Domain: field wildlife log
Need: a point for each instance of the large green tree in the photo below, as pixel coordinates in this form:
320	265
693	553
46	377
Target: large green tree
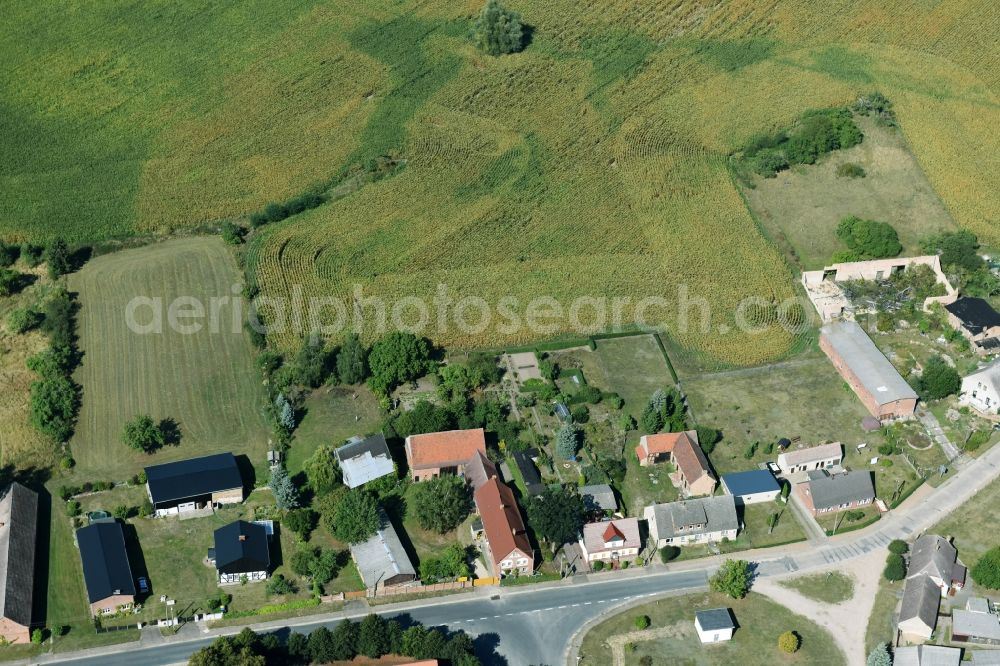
567	441
142	433
441	504
323	470
868	239
357	517
57	258
54	401
879	656
938	379
286	495
352	361
397	358
732	579
556	515
986	571
498	30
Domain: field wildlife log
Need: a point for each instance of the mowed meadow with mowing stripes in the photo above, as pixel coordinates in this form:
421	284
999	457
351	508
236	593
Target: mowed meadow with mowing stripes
596	162
204	381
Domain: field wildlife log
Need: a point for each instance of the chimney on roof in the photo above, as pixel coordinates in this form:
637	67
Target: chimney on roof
243	537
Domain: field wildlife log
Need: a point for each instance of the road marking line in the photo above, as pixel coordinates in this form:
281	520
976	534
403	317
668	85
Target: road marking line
575	605
587	603
482	618
562	606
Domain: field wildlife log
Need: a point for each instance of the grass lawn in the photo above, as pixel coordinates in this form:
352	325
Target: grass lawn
644	485
839	520
800	208
422	543
831	587
333	414
205	381
970	525
755	517
881	627
755	642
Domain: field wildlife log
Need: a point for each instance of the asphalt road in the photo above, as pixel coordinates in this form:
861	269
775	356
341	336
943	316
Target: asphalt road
528	625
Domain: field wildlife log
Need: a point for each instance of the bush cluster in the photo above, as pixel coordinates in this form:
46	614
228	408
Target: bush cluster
818	132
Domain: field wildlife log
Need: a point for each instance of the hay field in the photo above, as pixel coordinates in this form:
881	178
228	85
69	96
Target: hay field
594	163
205	381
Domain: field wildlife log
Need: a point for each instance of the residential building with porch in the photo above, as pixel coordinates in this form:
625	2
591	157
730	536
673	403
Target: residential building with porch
242	552
935	557
823	456
693	475
18	540
443	453
107	573
611	540
194	484
504	537
867	371
693	521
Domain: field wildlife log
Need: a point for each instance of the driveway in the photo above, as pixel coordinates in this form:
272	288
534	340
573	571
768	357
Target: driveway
936	433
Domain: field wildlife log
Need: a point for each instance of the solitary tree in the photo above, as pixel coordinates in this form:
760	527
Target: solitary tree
352	361
879	656
733	579
57	258
142	434
788	642
286	495
498	30
441	503
567	441
322	469
284	412
557	515
357	517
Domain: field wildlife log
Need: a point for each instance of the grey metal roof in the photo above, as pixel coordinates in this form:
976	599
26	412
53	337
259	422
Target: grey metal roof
932	555
985	657
714	619
599	497
921	599
871	367
837	489
364	460
18	532
927	655
699	515
382	557
972	623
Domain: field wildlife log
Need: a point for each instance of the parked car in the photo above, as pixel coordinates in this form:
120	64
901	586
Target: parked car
143	585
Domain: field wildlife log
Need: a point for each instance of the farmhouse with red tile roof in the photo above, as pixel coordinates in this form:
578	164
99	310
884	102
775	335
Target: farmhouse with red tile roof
443	453
694	475
506	543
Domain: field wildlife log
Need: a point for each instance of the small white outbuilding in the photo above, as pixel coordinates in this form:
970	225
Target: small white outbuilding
714	625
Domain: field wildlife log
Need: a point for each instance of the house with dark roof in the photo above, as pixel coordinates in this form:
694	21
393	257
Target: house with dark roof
830	493
936	557
107	573
919	609
714	625
751	486
364	459
879	386
976	319
529	472
18	538
195	483
442	453
611	540
699	520
693	475
242	550
382	560
599	498
504	537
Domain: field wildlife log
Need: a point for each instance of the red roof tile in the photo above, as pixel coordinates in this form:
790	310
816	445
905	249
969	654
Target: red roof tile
444	449
502	520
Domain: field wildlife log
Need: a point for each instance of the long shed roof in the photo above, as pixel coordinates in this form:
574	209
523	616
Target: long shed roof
869	365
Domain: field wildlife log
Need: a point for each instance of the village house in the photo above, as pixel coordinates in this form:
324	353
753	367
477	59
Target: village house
529	472
867	371
977	623
693	521
926	655
823	456
981	389
107	573
752	486
935	557
611	540
443	453
18	538
829	493
382	560
364	459
693	475
976	319
242	552
505	540
194	484
919	609
715	625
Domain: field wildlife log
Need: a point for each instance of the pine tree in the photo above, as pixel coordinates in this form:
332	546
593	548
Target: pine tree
879	656
286	495
567	441
286	415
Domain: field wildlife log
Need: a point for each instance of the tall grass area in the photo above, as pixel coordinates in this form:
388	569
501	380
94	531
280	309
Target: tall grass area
592	163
